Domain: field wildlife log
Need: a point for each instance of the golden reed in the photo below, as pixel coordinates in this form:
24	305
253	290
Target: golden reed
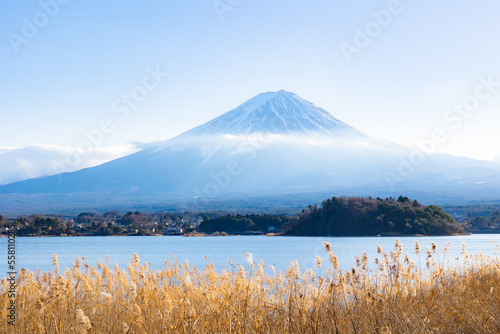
388	295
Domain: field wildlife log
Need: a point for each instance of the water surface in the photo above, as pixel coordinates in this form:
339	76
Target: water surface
33	252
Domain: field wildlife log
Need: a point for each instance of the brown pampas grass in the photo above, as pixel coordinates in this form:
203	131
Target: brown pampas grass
392	296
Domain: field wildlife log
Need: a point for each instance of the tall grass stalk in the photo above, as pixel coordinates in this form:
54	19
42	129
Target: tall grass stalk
394	296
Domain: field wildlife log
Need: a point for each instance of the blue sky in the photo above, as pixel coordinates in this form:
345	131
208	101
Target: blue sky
64	77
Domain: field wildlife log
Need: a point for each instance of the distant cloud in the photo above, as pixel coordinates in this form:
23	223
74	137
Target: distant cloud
142	146
17	164
497	158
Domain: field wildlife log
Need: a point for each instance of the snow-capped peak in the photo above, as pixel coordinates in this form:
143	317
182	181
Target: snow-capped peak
280	112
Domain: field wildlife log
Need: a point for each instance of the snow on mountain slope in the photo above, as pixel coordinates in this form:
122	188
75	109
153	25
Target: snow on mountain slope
279	112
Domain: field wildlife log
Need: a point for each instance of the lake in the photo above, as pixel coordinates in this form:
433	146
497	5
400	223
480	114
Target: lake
35	252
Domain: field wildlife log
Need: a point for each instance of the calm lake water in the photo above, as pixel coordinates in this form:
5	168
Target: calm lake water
35	253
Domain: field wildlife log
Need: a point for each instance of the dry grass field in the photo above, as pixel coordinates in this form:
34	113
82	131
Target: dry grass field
389	294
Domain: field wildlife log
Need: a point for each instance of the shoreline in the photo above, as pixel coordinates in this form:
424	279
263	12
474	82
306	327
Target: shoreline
224	234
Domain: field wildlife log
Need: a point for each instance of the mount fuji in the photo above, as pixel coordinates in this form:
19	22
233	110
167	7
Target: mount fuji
281	113
276	145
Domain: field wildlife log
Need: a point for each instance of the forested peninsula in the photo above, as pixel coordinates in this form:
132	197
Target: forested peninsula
354	216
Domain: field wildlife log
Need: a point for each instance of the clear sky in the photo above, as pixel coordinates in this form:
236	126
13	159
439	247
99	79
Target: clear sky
392	69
